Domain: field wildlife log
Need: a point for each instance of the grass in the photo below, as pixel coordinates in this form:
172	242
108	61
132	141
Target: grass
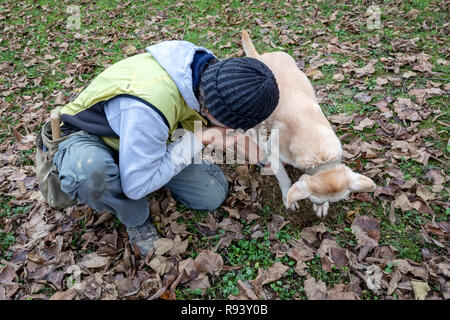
107	27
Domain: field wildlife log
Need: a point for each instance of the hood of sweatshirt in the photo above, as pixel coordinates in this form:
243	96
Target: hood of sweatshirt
176	57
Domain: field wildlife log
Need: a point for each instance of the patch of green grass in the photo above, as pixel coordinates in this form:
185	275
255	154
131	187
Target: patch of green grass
329	278
252	252
47	290
7	239
402	234
8	210
77	239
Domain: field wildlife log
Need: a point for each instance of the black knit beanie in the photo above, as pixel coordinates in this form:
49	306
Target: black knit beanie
239	92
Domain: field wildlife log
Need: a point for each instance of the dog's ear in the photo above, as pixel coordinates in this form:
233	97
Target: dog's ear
298	191
360	183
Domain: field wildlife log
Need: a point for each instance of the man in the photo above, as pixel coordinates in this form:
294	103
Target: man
134	106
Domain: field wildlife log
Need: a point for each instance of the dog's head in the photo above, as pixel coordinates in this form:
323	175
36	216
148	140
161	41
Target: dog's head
328	186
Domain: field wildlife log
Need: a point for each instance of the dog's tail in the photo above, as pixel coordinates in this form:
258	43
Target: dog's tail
249	48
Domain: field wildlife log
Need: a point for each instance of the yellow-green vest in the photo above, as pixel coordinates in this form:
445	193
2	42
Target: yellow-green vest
140	76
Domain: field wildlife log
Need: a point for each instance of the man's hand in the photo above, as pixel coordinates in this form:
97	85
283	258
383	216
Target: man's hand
216	136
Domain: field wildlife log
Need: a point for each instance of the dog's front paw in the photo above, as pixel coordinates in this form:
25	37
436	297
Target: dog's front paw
321	209
293	206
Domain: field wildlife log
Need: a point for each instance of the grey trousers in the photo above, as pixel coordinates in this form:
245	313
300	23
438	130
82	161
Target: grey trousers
88	173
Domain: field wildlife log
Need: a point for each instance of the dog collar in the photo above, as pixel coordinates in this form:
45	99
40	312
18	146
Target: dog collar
322	167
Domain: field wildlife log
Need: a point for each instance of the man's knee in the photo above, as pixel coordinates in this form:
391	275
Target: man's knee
86	170
100	171
217	192
200	186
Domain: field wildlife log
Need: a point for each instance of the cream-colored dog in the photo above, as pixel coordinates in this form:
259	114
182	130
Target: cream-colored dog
306	139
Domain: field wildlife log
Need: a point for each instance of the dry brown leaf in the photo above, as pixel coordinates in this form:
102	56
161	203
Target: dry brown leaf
315	290
341	118
210	262
273	273
339	77
202	283
160	265
313	234
363	97
421	289
179	246
402	202
395	278
373	276
37	227
424	193
340	292
367	69
366	123
405	111
303	253
232	225
405	266
248	291
276	225
69	294
234	213
367	232
163	245
314	73
301	268
92	260
7	274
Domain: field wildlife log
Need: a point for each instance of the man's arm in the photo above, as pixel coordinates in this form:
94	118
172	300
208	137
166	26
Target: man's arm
146	162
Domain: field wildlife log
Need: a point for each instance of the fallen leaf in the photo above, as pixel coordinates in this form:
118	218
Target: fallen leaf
314	73
404	109
340	292
406	266
210	262
402	202
69	294
201	283
163	245
160	265
301	268
367	69
301	254
273	273
373	278
315	290
339	77
420	289
363	97
395	278
276	225
234	213
367	232
92	260
179	246
366	123
424	193
37	227
341	118
248	291
312	234
382	81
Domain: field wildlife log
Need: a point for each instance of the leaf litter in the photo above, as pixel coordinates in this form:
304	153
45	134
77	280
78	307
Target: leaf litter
81	254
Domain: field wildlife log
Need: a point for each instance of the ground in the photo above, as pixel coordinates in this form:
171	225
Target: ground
383	84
